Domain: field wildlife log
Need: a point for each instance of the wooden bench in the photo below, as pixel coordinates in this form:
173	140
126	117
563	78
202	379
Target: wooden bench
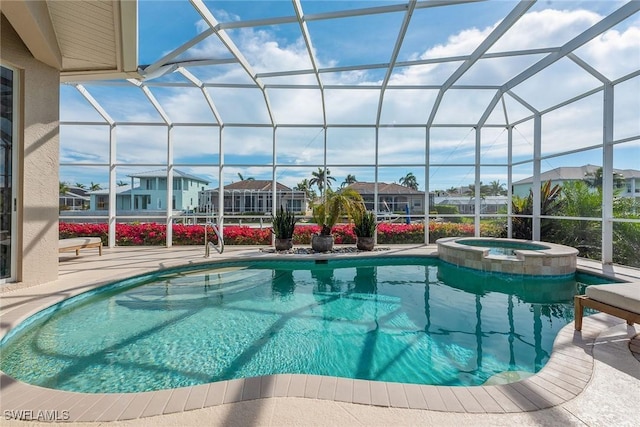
77	243
619	299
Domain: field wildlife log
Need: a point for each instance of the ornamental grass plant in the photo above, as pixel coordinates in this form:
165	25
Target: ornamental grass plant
364	224
284	224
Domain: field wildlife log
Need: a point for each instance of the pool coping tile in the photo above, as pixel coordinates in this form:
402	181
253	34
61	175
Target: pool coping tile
433	398
397	397
505	402
379	394
100	407
157	403
467	400
177	401
361	392
251	390
233	392
327	390
344	390
414	396
136	406
215	394
281	387
267	386
117	408
297	385
486	401
312	387
450	400
197	397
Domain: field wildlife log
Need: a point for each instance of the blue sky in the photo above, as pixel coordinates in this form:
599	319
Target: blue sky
433	33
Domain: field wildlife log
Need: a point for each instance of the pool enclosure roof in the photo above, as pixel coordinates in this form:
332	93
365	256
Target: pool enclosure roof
392	68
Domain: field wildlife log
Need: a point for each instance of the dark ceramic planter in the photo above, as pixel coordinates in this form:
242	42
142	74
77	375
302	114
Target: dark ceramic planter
321	243
283	244
365	243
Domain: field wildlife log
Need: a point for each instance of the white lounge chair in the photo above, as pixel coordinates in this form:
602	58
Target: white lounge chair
619	299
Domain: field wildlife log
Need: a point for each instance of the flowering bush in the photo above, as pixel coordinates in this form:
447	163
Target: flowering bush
153	234
68	230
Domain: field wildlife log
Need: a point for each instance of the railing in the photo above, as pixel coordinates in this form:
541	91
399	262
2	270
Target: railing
208	245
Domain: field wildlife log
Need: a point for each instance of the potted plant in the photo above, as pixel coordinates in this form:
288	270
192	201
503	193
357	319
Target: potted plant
284	224
364	227
326	213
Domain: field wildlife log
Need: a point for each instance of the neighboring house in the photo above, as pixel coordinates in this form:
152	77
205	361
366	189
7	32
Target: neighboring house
467	204
630	188
148	192
74	199
253	195
391	197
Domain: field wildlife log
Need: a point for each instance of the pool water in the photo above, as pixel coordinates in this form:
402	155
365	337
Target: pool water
503	248
410	320
502	251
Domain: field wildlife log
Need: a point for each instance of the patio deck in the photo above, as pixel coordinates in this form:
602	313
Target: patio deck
592	378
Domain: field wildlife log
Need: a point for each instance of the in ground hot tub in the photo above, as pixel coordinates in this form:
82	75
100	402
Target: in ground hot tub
509	256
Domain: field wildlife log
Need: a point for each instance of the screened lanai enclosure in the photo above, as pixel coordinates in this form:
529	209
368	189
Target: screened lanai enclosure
469	106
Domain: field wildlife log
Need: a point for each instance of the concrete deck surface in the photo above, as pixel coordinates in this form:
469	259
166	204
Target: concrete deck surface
592	378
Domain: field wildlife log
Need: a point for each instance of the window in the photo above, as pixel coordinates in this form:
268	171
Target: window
102	203
294	205
8	173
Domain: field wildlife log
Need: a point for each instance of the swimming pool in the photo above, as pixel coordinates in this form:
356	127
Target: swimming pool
391	319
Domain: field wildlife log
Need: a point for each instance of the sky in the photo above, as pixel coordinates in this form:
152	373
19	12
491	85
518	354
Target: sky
433	33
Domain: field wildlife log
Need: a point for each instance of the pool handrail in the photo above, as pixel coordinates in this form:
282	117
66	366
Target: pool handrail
208	245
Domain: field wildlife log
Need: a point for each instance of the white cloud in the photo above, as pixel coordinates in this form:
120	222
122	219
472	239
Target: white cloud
615	53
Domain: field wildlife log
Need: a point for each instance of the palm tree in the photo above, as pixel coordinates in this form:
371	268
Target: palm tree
409	180
305	186
64	187
242	178
122	183
496	188
319	178
80	185
594	179
485	190
95	187
350	179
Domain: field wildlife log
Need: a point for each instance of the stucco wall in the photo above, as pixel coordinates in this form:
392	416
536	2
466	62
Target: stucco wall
38	161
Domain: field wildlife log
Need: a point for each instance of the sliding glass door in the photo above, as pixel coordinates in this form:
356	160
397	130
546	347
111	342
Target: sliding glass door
8	193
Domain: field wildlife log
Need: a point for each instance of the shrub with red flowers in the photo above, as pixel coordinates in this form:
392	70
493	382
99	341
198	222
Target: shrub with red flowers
302	234
67	230
154	234
243	235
